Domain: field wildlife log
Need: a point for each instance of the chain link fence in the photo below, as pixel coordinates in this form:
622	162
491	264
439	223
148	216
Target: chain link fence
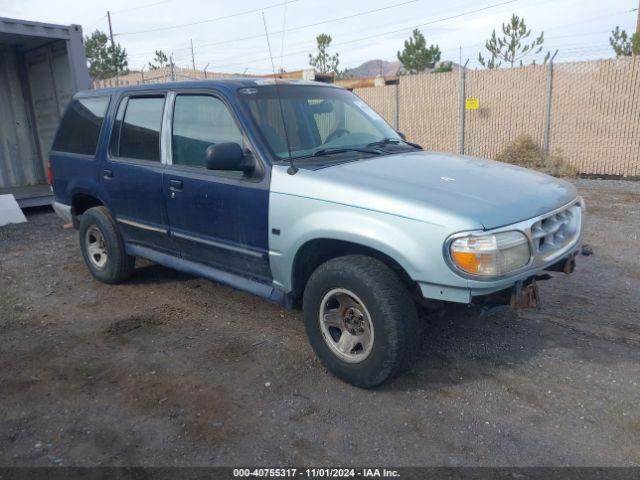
586	111
160	75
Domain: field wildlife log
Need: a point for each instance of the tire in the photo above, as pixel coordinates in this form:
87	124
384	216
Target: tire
103	247
387	308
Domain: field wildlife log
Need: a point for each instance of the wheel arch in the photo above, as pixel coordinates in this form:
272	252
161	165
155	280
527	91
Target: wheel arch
315	252
81	201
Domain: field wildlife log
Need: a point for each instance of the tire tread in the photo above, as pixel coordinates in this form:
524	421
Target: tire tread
394	302
123	264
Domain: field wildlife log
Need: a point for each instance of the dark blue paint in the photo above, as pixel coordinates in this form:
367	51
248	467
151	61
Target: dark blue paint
134	192
229	216
215	209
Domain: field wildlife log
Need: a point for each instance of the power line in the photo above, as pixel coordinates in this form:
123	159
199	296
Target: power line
554	37
370	36
470	12
93	24
141	6
589	20
300	27
215	19
367	37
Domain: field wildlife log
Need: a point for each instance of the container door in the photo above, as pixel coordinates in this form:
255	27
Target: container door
51	89
20	163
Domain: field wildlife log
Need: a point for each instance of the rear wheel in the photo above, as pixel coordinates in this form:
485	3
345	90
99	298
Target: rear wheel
361	320
103	247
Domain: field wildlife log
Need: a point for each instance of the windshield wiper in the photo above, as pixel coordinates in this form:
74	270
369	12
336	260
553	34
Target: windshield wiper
330	151
393	141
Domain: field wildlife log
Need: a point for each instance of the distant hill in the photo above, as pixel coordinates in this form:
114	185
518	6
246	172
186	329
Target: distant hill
371	68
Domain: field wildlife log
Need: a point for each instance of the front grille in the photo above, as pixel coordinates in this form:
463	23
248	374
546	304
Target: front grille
552	234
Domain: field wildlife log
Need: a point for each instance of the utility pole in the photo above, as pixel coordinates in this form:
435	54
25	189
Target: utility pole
113	45
638	19
193	58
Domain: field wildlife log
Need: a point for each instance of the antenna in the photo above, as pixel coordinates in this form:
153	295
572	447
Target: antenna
292	170
284	31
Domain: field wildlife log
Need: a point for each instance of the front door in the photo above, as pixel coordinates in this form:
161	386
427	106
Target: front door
132	174
218	218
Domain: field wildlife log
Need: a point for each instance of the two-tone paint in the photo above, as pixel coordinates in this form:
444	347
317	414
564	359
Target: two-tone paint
247	232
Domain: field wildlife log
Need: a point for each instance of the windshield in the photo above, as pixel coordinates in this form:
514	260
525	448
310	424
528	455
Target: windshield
319	120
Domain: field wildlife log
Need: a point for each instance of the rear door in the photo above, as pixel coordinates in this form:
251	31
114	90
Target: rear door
132	174
218	218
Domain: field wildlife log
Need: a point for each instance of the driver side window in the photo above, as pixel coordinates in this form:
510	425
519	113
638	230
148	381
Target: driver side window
199	121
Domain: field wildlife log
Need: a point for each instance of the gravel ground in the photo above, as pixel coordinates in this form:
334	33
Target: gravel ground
169	369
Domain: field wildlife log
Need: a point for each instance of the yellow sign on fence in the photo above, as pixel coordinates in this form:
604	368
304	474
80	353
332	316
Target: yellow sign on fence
471	103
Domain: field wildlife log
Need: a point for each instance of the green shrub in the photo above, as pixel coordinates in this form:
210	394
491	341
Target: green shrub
525	152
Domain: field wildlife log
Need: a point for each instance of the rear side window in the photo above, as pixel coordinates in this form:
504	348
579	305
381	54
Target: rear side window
136	132
80	126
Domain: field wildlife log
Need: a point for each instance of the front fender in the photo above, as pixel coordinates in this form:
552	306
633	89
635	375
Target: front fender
416	246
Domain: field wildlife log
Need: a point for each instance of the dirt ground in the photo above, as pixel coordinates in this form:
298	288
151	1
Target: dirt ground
169	369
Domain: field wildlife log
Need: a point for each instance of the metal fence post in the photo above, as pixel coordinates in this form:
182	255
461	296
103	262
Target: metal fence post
461	112
547	115
396	125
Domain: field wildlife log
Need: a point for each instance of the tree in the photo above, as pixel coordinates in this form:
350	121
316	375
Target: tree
416	57
159	61
104	60
443	67
623	45
323	62
513	46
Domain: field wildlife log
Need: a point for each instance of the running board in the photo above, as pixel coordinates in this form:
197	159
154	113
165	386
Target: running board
238	282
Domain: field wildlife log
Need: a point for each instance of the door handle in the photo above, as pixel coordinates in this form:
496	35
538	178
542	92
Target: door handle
107	174
175	185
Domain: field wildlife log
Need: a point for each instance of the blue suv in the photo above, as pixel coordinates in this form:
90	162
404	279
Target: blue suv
300	193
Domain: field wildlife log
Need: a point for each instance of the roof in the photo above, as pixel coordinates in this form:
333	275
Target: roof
221	84
30	34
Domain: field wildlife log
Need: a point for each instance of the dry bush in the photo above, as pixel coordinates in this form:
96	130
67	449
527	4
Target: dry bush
525	152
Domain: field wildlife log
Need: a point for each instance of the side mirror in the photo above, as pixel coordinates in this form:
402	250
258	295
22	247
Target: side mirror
228	156
401	135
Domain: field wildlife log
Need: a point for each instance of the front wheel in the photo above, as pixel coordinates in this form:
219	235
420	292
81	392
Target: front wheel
361	320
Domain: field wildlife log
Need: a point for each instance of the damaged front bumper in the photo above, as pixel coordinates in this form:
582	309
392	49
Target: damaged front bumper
554	237
525	293
520	291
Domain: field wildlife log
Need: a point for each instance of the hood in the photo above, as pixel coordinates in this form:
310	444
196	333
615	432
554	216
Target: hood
437	188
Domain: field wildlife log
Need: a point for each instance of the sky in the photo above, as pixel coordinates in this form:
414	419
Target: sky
230	36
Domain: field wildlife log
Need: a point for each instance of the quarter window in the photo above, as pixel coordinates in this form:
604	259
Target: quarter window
80	126
198	122
136	132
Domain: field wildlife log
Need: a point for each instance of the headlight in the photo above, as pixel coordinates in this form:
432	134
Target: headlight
490	255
